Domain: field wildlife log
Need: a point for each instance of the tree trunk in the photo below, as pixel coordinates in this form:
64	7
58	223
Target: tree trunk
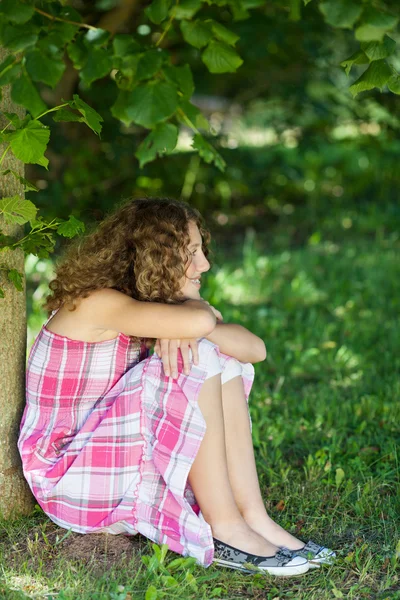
15	496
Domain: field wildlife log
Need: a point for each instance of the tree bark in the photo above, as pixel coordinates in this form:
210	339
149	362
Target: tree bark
15	496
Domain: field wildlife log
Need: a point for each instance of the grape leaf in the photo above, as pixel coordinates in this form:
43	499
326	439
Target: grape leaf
358	58
394	84
62	114
124	44
9	70
158	11
182	78
16	12
377	74
194	114
162	140
42	67
149	64
196	33
186	9
16	210
341	13
25	93
97	65
379	50
222	33
221	58
71	227
90	116
30	142
78	52
207	152
16	278
28	186
374	25
151	103
18	37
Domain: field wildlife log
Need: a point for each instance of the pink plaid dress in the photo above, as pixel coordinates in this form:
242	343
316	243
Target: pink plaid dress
107	441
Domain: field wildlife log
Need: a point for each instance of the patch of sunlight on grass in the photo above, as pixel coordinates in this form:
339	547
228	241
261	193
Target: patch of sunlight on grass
28	585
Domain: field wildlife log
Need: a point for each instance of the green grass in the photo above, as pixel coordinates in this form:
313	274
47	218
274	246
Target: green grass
325	412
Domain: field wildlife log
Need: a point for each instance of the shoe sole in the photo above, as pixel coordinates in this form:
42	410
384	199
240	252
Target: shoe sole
291	571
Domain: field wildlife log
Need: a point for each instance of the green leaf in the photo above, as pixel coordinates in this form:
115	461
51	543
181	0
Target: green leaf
16	12
16	278
374	25
339	476
42	67
124	44
379	50
71	227
358	58
39	243
186	9
119	108
2	295
25	93
18	37
28	186
158	11
17	211
341	13
182	78
29	143
96	37
196	33
149	64
376	75
162	140
97	65
221	58
295	10
65	115
9	70
14	119
394	84
151	103
151	593
223	33
78	53
194	114
90	116
207	152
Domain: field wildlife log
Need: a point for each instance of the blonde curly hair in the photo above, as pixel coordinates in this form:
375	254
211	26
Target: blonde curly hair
136	249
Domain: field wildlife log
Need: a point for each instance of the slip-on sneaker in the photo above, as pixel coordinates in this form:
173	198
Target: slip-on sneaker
283	564
315	554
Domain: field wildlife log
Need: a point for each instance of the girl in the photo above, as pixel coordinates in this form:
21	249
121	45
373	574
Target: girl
115	440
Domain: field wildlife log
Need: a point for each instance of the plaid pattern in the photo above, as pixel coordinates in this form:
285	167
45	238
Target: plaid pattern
107	441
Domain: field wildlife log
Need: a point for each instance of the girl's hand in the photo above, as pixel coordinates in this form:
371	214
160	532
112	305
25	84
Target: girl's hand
216	312
167	350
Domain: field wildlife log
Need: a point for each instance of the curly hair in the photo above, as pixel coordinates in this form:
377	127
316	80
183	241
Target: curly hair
136	249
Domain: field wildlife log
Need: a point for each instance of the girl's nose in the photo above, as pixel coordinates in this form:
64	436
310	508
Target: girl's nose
205	265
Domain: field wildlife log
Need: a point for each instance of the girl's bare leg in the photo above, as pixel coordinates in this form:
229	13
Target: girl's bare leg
209	479
242	467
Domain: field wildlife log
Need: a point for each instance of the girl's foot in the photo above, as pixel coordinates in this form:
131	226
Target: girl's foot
240	535
282	564
272	532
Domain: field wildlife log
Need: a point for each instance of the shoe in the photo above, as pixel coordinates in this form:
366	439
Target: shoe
285	563
315	554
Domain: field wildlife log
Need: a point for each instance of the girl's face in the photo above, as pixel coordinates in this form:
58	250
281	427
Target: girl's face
198	264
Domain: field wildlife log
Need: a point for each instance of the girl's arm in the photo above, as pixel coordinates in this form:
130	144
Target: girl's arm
238	342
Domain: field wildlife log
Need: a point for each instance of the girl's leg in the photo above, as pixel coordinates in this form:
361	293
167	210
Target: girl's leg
209	479
242	467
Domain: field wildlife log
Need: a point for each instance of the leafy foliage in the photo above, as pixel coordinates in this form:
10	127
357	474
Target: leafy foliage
147	86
